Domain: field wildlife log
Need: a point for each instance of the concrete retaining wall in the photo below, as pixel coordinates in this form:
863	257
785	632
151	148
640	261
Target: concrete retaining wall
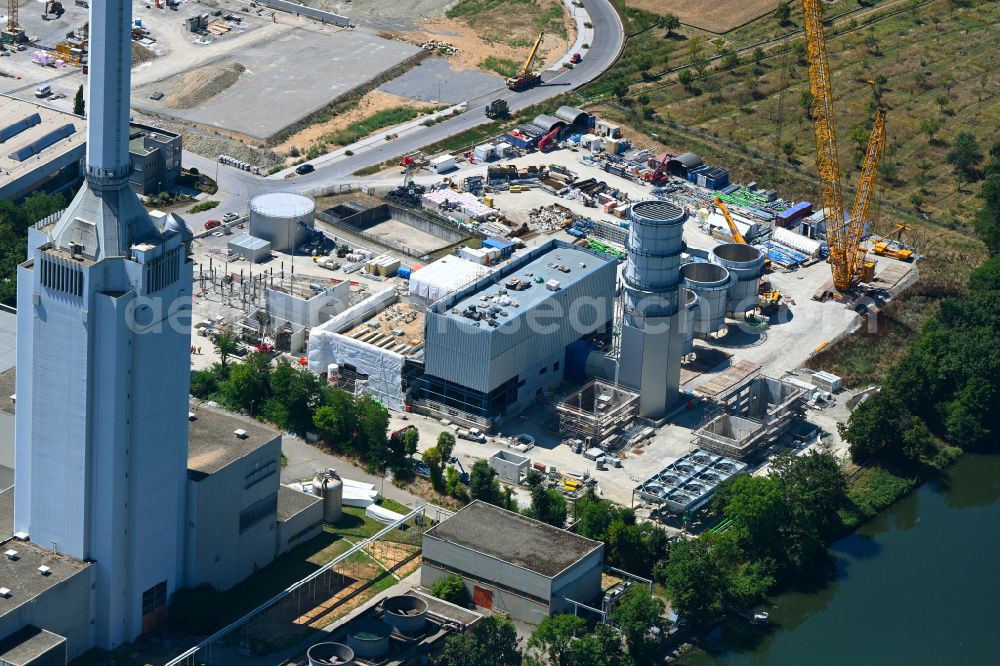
318	14
361	222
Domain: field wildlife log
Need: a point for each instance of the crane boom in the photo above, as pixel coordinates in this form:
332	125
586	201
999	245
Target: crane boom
827	161
531	56
733	229
866	189
527	77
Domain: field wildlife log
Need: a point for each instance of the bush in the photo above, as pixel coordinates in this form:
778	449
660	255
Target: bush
203	206
204	383
452	589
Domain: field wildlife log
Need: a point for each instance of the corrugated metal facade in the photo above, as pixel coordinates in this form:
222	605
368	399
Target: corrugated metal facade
483	358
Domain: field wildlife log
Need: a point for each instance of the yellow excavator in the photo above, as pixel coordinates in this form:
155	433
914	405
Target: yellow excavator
887	247
527	77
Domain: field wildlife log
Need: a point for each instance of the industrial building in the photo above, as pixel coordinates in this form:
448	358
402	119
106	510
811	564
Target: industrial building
41	149
156	158
284	219
755	413
512	563
493	347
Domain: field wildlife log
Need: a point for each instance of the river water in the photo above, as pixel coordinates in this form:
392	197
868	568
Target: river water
918	585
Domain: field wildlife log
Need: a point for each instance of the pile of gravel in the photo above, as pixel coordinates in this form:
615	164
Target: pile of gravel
212	145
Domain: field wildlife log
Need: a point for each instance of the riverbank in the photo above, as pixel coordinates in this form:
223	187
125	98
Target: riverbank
914	585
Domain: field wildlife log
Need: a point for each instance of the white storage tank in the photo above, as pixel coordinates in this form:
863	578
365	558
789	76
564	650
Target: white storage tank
712	283
284	219
405	613
746	263
330	487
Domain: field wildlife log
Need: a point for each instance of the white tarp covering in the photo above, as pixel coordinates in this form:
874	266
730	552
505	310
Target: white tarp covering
381	514
796	241
383	367
359	494
437	280
717	222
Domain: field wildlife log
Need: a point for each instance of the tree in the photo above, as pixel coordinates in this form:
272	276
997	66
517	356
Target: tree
987	220
874	429
987	276
694	580
670	22
409	440
620	89
783	13
635	615
446	445
203	384
453	484
493	642
335	419
788	148
759	511
435	468
930	126
294	394
730	59
373	427
248	385
226	345
79	106
815	488
452	589
552	641
686	78
917	201
965	156
806	104
601	647
548	505
483	483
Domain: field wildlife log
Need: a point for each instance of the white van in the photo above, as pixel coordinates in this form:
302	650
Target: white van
43	91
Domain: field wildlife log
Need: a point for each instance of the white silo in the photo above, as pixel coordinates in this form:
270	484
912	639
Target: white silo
652	338
284	219
330	487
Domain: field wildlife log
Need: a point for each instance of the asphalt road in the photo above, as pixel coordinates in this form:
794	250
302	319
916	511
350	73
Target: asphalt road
236	187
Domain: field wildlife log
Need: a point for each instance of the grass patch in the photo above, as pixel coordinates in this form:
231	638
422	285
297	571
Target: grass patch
354	523
203	206
368	170
362	128
876	488
393	505
502	66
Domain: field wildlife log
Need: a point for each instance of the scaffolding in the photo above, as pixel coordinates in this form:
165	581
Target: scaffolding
597	413
750	416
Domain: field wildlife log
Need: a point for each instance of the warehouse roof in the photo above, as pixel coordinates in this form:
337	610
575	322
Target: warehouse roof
213	444
572	115
23	124
513	538
22	647
292	502
555	261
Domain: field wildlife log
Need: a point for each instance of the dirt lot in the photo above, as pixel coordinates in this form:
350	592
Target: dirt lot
372	102
497	31
718	17
200	85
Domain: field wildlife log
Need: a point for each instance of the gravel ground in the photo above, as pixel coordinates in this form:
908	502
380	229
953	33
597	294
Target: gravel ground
212	145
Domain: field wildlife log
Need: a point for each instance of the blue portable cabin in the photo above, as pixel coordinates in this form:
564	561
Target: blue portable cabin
794	213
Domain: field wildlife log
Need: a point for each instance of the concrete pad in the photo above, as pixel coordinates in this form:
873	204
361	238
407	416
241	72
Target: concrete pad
286	80
436	81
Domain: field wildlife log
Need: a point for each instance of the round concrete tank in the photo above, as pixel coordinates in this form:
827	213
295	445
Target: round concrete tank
406	613
284	219
689	301
369	639
712	283
329	486
746	264
655	242
330	654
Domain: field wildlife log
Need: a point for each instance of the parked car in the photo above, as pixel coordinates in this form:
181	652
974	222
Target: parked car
472	434
211	224
303	169
575	58
229	217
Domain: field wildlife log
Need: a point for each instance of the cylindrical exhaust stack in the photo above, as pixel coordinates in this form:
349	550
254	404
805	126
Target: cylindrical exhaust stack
712	283
653	333
746	263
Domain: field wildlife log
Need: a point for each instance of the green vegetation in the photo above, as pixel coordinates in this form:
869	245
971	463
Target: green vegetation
368	170
14	223
639	549
502	66
79	105
452	589
359	129
203	206
515	23
493	642
778	528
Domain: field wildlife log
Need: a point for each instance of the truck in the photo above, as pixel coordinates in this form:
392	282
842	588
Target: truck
472	434
527	77
498	108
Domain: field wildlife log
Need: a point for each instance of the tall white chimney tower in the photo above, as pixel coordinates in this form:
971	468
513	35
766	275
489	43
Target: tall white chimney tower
103	342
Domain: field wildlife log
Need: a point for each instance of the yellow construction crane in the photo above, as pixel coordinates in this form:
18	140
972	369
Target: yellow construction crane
527	77
893	248
733	229
12	28
843	237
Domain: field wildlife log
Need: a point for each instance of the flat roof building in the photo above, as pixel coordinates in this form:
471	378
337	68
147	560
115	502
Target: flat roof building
513	563
498	343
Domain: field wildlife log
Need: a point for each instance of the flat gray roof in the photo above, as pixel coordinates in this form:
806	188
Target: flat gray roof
513	538
13	110
212	443
577	262
23	647
291	502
